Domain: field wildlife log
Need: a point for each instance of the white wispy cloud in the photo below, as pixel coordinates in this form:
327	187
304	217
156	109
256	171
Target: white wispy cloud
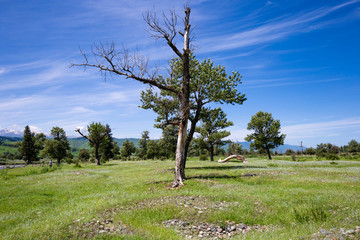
321	129
284	82
276	29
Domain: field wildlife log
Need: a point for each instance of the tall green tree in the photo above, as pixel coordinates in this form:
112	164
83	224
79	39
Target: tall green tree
58	147
266	133
210	84
97	136
235	148
353	147
31	145
127	149
211	133
106	149
167	142
153	149
142	145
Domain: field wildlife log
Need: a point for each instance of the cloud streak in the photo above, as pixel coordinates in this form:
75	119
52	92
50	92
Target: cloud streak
320	129
276	29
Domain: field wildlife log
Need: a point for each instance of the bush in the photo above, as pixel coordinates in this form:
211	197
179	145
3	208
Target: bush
84	155
203	157
69	160
289	152
332	157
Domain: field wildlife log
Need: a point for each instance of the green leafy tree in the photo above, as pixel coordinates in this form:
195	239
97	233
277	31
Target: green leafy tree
289	152
58	147
266	134
310	151
84	155
353	147
116	149
210	83
327	149
109	60
152	150
141	150
167	142
106	148
211	133
97	137
235	149
127	149
31	145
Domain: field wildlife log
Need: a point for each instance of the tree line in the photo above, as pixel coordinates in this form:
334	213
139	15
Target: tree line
205	146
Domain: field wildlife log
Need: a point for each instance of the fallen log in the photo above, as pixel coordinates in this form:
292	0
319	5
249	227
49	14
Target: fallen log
238	157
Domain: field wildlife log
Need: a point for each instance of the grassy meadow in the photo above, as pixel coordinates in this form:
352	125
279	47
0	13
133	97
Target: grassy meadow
131	200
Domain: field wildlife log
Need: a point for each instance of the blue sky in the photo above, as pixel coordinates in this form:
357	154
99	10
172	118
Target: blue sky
299	61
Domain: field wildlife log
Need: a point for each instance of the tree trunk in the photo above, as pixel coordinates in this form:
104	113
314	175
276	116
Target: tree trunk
191	132
212	153
268	153
180	155
59	161
97	159
185	107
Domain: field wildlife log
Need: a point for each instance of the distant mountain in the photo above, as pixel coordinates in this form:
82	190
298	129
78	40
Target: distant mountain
10	133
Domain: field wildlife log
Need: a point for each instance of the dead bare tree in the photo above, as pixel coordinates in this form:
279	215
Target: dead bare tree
108	60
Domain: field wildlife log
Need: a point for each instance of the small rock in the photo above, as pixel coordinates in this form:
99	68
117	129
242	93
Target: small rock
102	231
232	228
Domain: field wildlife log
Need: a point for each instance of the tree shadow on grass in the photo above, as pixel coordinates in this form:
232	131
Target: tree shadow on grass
224	167
108	164
218	176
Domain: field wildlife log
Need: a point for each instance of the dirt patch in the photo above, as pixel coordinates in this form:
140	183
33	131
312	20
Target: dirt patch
336	233
97	227
211	231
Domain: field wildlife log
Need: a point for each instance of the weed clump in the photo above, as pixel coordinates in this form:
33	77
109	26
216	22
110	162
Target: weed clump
313	213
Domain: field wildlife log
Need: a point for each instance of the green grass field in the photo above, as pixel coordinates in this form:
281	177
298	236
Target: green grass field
131	200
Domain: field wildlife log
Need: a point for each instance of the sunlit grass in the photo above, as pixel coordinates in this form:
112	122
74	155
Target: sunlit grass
294	199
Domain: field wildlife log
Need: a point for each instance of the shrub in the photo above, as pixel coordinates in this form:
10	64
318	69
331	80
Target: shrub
314	213
84	155
289	152
332	157
69	160
203	157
